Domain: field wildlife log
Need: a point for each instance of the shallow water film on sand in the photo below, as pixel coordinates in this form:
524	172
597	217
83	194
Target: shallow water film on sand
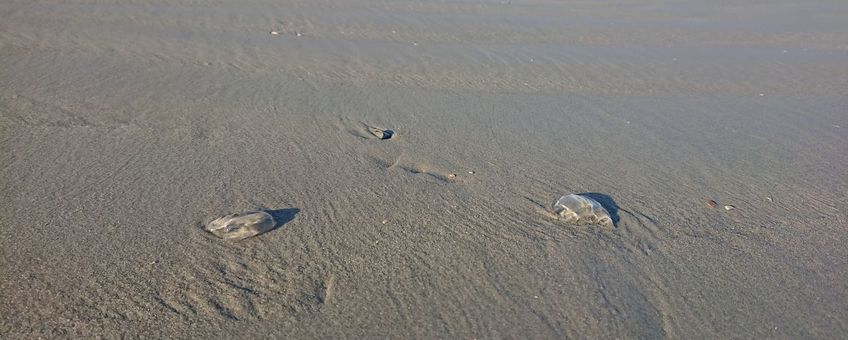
408	154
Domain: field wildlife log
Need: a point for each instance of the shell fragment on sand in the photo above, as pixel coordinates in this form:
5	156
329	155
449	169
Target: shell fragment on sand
580	210
241	226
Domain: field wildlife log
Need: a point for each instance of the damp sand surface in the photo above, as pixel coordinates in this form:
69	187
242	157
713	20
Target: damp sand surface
126	125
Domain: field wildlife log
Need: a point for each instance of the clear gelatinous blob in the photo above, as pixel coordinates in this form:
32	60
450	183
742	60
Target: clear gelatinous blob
381	133
241	226
580	210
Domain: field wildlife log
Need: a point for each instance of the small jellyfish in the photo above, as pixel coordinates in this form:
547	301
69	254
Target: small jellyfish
711	203
241	226
381	133
580	210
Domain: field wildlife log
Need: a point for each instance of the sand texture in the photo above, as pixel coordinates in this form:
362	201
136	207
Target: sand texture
409	153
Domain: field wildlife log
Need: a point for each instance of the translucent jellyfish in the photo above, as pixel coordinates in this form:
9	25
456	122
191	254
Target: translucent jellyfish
241	226
580	210
381	133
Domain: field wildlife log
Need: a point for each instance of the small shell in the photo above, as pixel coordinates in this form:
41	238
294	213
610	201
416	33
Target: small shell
729	207
274	33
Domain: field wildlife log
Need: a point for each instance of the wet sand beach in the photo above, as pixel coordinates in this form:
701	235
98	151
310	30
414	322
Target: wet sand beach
126	126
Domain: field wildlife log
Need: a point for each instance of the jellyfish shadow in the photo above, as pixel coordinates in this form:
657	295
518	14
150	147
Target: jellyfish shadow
282	216
608	203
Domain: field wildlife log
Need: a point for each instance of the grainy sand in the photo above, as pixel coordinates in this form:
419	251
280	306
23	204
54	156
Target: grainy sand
126	125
